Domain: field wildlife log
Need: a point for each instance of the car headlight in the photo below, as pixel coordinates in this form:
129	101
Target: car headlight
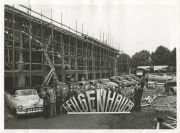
20	107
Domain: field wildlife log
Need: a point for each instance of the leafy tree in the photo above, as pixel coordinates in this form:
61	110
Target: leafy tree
123	62
142	58
161	56
172	58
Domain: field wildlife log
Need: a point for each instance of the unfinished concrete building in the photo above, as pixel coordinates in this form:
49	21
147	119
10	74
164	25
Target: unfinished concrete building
70	51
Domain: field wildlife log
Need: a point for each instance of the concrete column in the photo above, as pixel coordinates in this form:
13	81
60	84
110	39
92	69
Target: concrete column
62	53
101	72
86	67
115	66
21	77
76	68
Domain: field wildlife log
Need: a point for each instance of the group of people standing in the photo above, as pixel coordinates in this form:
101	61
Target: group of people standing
52	101
53	98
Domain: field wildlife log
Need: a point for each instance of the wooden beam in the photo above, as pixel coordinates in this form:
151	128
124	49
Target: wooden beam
171	118
168	125
77	113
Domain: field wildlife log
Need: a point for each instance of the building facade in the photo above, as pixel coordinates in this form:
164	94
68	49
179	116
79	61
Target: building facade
25	63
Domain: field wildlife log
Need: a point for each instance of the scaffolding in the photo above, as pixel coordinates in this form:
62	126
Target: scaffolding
86	56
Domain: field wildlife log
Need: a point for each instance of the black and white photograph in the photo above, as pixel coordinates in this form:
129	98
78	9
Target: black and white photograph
109	65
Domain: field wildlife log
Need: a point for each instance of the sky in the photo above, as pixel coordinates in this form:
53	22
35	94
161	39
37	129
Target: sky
132	27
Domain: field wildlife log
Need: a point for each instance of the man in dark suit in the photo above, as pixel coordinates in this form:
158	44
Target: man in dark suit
138	91
46	103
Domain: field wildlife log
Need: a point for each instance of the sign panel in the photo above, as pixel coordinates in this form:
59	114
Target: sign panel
139	72
98	100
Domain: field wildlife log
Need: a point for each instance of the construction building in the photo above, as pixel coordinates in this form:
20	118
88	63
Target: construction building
70	51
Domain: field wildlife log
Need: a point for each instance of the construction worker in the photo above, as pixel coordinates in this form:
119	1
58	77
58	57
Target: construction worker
137	97
146	80
59	96
52	102
142	82
131	93
71	92
68	80
81	88
91	86
46	103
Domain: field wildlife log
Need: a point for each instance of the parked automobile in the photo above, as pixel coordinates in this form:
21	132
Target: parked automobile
159	77
170	87
76	87
102	81
114	79
85	84
26	101
111	86
124	81
94	82
130	79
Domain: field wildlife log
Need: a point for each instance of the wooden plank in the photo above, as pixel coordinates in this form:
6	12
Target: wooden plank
145	105
173	124
171	118
169	126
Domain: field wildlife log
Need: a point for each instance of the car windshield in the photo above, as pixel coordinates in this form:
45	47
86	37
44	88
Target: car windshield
171	84
25	92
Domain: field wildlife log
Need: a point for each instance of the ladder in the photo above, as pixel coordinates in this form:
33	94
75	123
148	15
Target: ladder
52	71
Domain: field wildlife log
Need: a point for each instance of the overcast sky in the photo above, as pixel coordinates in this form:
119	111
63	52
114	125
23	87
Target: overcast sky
133	27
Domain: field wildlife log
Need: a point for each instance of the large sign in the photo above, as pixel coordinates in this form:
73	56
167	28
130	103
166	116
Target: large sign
98	100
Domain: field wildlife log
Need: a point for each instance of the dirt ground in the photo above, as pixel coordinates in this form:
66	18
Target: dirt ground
134	120
146	119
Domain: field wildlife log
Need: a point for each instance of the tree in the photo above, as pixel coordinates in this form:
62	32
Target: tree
123	62
172	58
161	56
142	58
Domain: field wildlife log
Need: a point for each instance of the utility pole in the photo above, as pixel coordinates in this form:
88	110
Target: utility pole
100	34
76	26
82	28
61	19
103	36
108	35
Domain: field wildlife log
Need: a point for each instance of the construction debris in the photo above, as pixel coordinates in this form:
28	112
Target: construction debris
170	122
167	103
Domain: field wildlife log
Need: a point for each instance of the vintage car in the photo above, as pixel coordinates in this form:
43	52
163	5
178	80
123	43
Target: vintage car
123	81
85	84
26	101
159	77
170	87
130	79
116	80
102	81
94	82
111	86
